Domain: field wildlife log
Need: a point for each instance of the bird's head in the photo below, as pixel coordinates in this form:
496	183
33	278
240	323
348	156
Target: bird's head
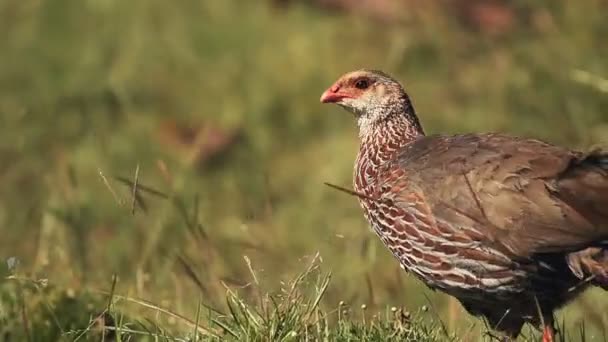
370	95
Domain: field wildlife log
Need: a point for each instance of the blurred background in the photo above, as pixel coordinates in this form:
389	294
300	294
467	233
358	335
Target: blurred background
215	105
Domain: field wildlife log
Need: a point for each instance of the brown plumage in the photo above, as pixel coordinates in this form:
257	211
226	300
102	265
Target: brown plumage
512	227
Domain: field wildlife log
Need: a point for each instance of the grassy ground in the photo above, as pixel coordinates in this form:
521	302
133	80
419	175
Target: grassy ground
92	92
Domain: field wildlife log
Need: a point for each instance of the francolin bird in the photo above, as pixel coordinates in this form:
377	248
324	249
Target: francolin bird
512	227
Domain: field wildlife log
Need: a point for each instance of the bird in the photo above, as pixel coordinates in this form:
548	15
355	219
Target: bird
513	227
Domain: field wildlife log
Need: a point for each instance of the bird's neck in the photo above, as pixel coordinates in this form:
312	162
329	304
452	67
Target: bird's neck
381	141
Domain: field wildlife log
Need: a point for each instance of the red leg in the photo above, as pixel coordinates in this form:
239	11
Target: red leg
548	333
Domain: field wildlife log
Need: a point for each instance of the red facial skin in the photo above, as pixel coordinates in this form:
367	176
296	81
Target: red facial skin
342	89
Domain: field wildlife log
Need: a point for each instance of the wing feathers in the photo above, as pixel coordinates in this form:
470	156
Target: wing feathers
528	195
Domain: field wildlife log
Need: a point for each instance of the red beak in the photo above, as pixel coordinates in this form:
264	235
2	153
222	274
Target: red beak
333	95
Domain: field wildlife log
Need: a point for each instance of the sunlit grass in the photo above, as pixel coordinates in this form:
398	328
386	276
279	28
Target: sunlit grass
92	88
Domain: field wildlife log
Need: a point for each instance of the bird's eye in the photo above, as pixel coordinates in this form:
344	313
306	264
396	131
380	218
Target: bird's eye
362	84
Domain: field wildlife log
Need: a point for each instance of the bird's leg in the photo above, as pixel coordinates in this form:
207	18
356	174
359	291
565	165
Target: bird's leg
545	315
548	330
548	333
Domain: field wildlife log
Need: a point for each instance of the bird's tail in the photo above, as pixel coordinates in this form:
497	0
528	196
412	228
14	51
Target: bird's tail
591	264
584	187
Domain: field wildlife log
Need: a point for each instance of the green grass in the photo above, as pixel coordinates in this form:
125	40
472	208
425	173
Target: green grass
39	311
35	310
89	90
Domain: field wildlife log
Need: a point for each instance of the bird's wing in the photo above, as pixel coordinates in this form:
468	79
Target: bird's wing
522	195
